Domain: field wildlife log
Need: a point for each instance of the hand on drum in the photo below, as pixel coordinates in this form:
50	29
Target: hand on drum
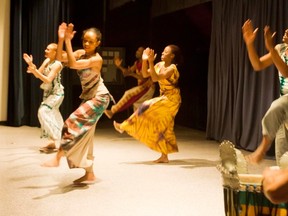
275	184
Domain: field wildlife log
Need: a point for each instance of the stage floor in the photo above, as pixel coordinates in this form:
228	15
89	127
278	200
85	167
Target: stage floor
128	183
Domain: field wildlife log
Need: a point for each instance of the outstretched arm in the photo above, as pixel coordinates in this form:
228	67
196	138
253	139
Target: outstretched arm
32	68
29	60
56	68
136	76
130	71
118	64
249	35
38	73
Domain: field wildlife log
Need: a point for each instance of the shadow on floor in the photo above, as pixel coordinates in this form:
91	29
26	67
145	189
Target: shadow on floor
60	189
185	163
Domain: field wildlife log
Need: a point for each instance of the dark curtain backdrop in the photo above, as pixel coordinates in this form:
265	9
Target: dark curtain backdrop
34	25
238	97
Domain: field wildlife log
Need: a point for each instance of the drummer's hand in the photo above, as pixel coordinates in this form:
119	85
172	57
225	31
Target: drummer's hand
270	171
270	175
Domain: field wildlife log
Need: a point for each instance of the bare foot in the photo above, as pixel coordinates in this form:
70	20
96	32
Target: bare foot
49	148
257	156
117	127
88	178
54	162
162	159
254	158
109	113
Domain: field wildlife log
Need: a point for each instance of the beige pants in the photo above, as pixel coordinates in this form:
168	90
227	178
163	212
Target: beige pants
81	155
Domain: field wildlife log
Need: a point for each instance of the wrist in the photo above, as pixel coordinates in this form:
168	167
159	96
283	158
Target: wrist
151	62
249	45
272	50
35	73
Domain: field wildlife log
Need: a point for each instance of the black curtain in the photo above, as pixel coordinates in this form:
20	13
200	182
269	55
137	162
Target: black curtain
34	25
238	97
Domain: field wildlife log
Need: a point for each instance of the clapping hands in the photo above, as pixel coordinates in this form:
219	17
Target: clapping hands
66	31
269	38
148	54
249	33
29	60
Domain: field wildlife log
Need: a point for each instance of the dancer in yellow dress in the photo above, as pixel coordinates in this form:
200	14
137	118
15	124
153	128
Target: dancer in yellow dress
153	122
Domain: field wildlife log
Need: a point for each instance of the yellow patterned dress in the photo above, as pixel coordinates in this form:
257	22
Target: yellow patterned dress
153	122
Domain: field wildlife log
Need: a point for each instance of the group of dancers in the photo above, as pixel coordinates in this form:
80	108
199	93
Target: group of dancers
151	123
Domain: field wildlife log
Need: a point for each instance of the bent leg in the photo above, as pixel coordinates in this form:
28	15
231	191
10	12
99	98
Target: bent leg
281	142
274	118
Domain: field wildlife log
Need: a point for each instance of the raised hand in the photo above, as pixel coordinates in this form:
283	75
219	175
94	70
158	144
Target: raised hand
61	30
249	33
145	54
269	38
151	56
69	33
148	54
155	55
28	59
117	61
31	68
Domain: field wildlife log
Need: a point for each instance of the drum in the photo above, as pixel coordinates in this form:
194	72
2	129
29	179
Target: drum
249	200
243	194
